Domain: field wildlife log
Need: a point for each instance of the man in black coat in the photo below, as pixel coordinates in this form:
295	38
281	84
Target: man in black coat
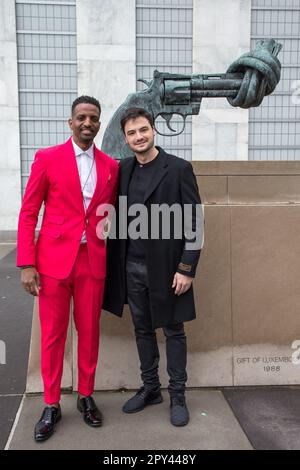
153	251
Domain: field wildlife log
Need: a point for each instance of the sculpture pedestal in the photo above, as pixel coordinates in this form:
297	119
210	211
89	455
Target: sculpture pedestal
247	289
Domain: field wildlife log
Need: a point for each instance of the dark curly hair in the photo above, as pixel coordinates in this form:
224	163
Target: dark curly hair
134	113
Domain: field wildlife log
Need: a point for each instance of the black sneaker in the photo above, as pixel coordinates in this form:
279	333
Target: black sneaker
46	425
141	399
179	413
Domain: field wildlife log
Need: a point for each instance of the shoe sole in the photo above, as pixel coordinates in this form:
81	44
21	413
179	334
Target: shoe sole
180	425
42	439
183	423
157	401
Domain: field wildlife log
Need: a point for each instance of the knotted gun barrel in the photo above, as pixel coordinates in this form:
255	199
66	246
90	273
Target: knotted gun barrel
247	81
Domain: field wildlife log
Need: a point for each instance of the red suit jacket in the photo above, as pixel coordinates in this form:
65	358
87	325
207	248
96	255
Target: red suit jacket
54	180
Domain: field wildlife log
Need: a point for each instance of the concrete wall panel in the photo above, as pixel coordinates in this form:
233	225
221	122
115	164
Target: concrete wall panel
105	44
10	187
221	34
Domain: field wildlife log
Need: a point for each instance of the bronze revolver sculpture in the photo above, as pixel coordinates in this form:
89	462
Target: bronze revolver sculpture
247	81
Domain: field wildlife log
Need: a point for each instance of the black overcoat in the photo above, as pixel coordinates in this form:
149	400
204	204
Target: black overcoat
173	182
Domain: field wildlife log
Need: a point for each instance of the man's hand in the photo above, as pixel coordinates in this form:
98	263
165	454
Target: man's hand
30	280
182	283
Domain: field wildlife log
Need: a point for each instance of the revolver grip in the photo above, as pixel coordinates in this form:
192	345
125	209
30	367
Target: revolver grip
114	143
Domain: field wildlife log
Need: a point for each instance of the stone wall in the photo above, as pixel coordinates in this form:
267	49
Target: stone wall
221	35
106	53
10	175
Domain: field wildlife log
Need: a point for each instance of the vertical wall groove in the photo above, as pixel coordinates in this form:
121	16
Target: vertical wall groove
47	73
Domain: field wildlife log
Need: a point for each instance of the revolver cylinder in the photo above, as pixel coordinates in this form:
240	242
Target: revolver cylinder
184	92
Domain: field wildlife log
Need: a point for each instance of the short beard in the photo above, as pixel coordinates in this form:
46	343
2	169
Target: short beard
86	138
146	150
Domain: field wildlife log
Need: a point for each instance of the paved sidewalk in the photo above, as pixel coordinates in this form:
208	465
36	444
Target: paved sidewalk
231	418
212	425
266	418
15	328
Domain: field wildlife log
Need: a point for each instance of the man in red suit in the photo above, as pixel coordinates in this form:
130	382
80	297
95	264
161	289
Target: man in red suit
68	258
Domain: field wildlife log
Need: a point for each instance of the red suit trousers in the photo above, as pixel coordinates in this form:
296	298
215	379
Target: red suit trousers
54	309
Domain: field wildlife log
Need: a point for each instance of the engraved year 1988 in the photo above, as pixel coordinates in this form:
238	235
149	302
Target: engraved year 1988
271	368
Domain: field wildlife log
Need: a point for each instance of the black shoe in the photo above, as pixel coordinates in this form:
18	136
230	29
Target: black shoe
91	414
46	425
179	412
141	399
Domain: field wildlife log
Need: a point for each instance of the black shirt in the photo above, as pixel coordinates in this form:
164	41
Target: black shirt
140	179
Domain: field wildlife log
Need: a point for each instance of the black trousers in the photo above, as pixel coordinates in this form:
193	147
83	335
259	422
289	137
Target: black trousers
176	349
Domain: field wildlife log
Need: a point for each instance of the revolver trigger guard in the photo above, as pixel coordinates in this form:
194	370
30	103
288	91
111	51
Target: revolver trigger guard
167	118
168	135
